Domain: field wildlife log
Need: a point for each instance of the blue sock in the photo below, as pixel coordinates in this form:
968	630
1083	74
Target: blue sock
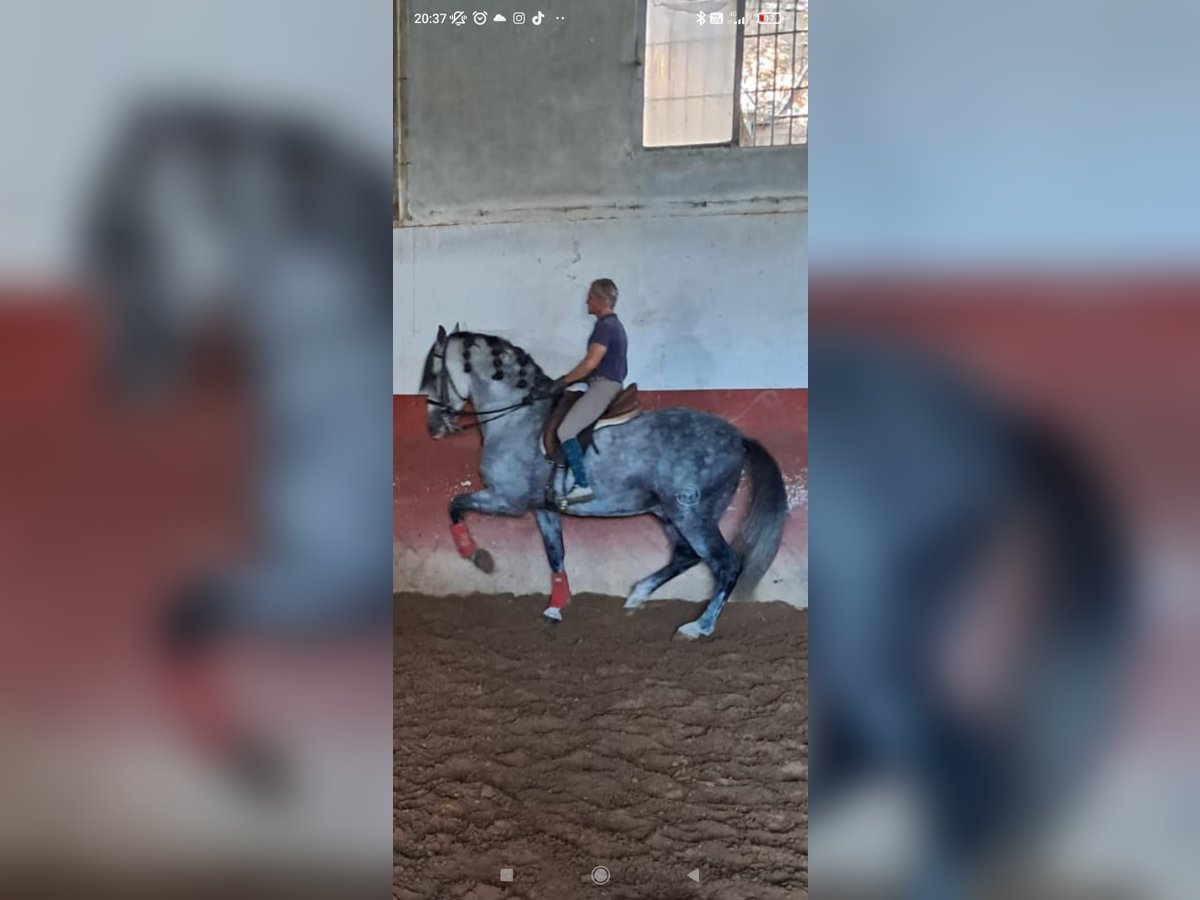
574	454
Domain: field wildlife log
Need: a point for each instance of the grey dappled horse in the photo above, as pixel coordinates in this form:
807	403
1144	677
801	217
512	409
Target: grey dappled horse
277	228
680	465
923	477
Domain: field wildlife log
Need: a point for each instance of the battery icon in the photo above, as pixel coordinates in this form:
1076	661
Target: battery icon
771	18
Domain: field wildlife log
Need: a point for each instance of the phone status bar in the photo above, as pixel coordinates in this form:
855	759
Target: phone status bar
473	17
717	18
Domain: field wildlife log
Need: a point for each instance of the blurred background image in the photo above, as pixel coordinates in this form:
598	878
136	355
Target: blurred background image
1003	564
193	428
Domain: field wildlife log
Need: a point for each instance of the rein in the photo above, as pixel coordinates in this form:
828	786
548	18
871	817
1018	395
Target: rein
482	417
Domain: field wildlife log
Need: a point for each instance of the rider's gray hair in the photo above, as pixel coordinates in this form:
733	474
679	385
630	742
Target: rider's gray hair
606	288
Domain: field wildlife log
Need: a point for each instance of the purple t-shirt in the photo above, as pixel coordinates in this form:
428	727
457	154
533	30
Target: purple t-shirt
610	333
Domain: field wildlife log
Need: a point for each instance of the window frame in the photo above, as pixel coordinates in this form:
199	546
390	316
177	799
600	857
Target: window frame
734	143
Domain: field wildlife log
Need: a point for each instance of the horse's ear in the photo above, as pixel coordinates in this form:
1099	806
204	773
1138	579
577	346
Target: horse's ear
441	339
455	331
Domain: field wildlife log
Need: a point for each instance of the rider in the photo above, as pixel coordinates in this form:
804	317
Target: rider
604	368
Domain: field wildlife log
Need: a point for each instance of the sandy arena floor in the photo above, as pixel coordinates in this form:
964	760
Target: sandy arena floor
599	741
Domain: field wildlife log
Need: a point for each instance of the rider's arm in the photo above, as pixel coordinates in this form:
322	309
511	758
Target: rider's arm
594	355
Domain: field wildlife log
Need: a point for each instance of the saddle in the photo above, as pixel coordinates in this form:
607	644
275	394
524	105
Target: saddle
625	406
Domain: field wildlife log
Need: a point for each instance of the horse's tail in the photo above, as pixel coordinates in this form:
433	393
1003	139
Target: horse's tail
1092	574
758	538
1090	610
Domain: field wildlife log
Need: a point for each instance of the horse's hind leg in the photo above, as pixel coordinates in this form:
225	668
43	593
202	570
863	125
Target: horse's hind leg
550	525
706	539
683	557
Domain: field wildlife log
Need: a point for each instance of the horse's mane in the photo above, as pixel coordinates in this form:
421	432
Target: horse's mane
492	341
504	358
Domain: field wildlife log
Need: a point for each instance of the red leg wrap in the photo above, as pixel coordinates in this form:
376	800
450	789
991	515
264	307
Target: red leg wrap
199	700
560	590
463	540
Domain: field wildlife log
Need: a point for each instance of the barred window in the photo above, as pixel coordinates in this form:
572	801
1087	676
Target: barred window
726	72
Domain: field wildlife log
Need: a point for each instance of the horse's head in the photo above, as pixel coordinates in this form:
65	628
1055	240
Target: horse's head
156	247
445	385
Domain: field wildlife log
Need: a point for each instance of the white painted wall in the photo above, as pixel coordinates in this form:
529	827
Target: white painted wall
68	68
709	301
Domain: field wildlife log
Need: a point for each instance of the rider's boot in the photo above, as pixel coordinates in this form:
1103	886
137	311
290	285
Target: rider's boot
580	492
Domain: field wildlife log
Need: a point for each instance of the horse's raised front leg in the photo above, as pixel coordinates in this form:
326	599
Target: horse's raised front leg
683	557
484	501
550	525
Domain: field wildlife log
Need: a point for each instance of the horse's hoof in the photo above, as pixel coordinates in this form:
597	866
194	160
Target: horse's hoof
691	632
483	561
552	614
259	769
635	600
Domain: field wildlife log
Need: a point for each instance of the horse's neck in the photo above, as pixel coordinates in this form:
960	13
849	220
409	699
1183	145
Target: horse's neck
508	426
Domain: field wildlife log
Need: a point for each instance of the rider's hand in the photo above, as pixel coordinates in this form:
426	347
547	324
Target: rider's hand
560	385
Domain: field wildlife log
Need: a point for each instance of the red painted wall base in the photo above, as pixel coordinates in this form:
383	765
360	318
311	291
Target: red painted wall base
606	556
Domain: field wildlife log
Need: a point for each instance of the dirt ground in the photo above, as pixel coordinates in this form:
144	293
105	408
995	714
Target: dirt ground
552	749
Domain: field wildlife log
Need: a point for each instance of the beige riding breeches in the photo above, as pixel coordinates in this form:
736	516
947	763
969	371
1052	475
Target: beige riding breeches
589	407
